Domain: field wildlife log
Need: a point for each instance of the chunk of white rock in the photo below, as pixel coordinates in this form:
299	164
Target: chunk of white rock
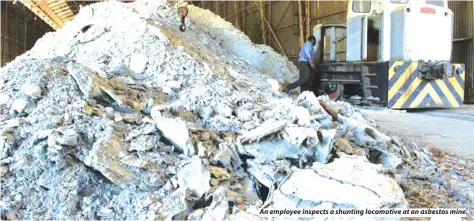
116	65
219	206
195	177
144	143
206	112
274	85
138	63
224	110
244	115
67	137
301	115
4	98
155	112
324	146
347	182
31	90
19	105
176	132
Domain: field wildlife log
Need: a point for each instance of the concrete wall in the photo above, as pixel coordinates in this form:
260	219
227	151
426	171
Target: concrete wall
19	30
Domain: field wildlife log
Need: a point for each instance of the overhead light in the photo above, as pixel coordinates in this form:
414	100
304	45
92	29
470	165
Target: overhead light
35	17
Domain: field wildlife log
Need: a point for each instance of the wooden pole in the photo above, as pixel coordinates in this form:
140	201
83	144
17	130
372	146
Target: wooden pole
18	46
236	15
270	17
308	19
300	19
470	97
5	33
26	29
244	24
262	16
217	8
274	35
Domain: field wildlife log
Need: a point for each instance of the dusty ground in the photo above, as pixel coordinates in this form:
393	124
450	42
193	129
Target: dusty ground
449	137
450	130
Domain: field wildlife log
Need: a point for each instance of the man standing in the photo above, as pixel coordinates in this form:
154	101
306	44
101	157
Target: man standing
305	65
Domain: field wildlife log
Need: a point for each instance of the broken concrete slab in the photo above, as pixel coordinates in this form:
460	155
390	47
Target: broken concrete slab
138	63
343	183
195	177
144	143
270	150
4	99
267	128
324	146
173	204
218	210
19	105
268	173
360	128
63	136
105	157
31	90
242	215
298	135
176	132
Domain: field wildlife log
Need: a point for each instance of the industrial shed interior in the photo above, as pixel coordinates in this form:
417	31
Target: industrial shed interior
225	110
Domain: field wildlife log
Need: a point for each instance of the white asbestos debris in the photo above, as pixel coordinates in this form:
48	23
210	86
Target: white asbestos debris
274	85
19	105
360	128
268	127
224	110
31	90
144	143
300	115
343	183
138	63
4	98
120	116
103	157
244	115
176	132
323	148
297	135
219	207
67	137
195	177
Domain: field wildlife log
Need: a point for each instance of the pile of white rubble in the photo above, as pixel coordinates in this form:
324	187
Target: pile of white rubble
119	115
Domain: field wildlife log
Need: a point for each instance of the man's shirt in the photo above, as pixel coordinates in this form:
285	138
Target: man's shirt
306	52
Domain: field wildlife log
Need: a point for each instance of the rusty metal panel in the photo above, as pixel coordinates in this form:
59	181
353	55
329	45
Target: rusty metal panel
463	48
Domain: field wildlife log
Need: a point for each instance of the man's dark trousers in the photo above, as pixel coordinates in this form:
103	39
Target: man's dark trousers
305	79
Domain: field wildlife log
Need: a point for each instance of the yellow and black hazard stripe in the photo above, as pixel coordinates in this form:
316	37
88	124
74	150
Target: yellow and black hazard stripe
407	90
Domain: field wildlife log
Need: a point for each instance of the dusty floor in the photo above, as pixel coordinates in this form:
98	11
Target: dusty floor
449	131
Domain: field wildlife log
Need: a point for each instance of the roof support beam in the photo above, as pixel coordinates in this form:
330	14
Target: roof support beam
54	13
40	13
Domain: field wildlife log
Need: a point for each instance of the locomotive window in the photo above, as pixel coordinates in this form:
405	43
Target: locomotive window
435	2
361	6
399	1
